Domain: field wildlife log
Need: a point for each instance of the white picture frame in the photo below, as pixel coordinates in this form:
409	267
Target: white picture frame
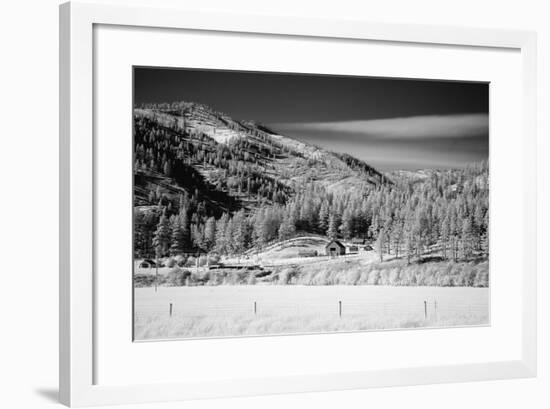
78	386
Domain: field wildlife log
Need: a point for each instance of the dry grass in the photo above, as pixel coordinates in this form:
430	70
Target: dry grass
396	272
160	326
218	311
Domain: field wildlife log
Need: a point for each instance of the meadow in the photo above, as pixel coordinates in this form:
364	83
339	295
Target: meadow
243	310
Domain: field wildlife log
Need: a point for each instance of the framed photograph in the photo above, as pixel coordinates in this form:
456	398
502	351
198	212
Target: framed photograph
258	204
346	204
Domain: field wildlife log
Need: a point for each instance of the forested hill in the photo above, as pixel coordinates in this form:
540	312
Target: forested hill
204	181
188	149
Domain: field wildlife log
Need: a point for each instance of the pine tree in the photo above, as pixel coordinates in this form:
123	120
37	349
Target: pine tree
210	233
185	228
197	236
333	224
445	234
229	243
479	225
347	224
397	236
260	230
239	232
466	238
221	226
453	227
178	239
380	243
162	237
287	228
409	245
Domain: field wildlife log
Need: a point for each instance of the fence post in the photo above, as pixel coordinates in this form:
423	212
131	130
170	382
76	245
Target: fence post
170	309
340	309
255	309
156	272
425	309
435	309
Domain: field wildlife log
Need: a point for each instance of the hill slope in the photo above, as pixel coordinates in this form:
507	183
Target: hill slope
189	149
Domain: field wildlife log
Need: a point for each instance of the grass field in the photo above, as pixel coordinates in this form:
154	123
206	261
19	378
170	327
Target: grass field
217	311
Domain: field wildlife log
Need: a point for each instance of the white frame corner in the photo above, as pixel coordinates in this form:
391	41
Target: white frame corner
77	387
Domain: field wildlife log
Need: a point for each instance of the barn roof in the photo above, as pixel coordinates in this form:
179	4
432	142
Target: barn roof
335	242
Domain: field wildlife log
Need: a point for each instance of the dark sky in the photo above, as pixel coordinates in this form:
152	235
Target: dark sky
389	123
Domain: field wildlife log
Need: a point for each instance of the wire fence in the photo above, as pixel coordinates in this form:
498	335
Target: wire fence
429	308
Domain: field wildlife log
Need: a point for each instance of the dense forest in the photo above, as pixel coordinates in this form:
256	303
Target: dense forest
194	194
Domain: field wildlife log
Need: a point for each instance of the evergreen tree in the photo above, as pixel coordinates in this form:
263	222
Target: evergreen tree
178	239
333	223
197	236
380	243
397	236
409	244
445	234
287	228
221	226
162	237
185	228
210	233
347	224
240	236
466	238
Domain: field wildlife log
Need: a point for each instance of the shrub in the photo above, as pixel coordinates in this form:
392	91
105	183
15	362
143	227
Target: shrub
446	281
482	278
395	276
353	277
180	260
363	277
384	278
144	280
251	278
213	258
178	278
170	262
148	280
286	275
200	279
235	277
374	277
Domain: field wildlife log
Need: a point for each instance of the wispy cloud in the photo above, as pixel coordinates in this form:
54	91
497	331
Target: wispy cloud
416	142
428	126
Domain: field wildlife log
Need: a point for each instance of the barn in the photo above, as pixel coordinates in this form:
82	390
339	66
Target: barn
147	263
335	248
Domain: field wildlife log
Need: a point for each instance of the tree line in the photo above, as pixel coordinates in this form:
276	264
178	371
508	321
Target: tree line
404	218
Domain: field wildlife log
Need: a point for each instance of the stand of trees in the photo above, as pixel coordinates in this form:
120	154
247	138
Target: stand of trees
405	218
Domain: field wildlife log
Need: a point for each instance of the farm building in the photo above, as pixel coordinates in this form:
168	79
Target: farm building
147	263
358	242
335	248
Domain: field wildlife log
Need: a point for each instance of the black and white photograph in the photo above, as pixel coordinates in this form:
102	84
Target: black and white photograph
270	203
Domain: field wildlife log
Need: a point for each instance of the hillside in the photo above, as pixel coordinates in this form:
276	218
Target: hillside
187	148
